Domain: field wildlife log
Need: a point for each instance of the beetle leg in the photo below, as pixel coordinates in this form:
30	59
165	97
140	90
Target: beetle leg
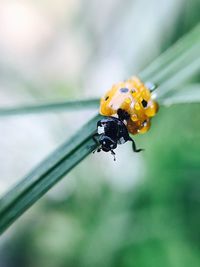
94	137
134	145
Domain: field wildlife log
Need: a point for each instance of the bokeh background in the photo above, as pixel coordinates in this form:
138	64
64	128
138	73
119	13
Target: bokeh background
142	210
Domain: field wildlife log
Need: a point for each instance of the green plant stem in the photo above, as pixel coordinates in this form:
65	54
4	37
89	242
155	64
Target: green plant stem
171	55
181	62
184	95
51	107
44	176
181	76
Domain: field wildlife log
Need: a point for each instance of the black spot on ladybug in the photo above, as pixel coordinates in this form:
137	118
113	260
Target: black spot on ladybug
123	90
106	98
133	91
144	103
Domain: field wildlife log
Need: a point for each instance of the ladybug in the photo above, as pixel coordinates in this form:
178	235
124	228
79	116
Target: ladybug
128	108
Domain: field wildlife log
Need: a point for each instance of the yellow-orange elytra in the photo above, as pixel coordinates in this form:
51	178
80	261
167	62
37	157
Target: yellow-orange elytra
133	97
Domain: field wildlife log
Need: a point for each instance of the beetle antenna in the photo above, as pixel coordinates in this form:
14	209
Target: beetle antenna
98	149
113	153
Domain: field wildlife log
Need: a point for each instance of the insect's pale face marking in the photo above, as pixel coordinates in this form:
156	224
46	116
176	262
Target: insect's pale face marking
100	130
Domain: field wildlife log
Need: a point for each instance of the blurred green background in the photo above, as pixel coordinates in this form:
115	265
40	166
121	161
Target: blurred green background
140	211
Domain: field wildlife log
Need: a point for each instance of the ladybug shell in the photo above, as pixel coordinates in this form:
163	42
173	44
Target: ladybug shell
133	97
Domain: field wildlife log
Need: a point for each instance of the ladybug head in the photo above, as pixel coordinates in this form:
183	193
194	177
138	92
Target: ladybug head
107	144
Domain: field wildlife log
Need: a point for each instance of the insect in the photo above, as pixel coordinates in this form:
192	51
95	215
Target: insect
128	108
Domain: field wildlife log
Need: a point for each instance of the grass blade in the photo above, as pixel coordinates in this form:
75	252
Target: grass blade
189	94
44	176
179	78
170	56
179	63
51	107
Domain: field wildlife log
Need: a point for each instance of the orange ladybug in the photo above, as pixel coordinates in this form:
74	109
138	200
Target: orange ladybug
132	102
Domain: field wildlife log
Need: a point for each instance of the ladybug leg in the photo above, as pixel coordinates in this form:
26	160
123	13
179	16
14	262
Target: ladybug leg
113	153
94	137
97	150
134	145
